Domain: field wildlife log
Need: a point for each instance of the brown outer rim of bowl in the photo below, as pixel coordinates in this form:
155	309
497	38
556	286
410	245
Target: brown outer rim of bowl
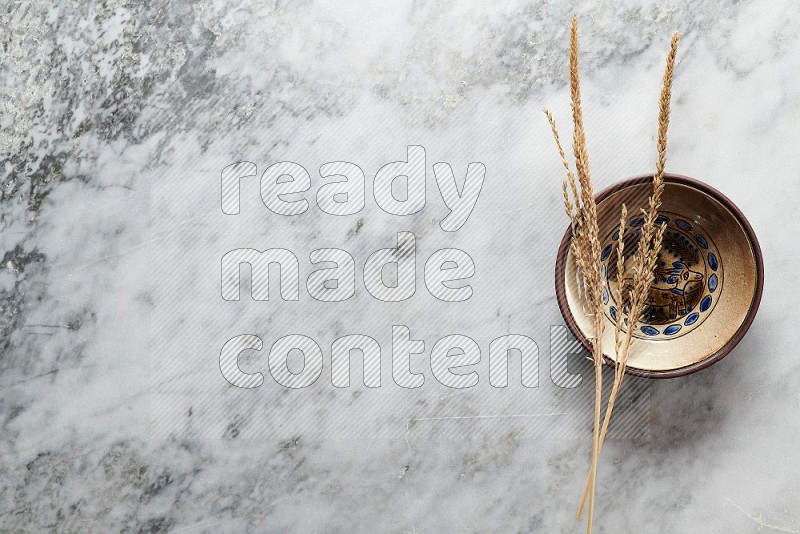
748	320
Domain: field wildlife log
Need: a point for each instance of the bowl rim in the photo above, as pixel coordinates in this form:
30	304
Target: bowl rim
754	304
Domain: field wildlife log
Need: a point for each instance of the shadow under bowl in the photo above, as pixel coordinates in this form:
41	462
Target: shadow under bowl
707	283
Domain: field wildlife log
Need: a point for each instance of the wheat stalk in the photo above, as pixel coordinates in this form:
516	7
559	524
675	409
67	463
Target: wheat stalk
591	243
585	245
585	248
651	237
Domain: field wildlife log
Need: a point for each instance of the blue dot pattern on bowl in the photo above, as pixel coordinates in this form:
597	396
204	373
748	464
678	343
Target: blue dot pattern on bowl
687	272
650	331
672	329
712	283
712	261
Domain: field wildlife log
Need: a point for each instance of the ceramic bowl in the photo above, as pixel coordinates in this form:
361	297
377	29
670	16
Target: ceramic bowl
706	288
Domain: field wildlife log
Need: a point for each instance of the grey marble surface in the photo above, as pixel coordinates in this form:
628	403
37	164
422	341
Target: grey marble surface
115	122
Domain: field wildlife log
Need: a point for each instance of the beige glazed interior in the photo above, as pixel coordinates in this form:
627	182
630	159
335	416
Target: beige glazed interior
706	284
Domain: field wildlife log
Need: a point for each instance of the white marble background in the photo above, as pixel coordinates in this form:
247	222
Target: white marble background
116	119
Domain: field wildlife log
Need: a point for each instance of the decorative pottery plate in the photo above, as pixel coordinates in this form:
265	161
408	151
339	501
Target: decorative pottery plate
707	283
